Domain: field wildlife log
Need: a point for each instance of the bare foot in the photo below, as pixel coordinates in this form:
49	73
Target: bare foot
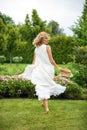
47	111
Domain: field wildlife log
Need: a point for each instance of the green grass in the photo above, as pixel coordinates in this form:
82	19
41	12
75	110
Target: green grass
28	114
13	69
7	69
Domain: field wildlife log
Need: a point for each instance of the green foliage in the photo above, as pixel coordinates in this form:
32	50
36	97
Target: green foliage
2	59
2	41
81	65
6	19
2	26
27	20
80	29
23	88
11	42
73	91
81	55
55	28
15	40
17	59
62	48
2	37
81	76
12	69
38	24
16	88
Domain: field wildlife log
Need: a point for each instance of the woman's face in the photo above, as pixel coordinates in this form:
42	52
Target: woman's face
45	40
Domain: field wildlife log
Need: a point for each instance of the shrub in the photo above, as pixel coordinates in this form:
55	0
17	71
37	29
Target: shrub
2	59
16	88
17	59
81	66
81	76
73	91
62	48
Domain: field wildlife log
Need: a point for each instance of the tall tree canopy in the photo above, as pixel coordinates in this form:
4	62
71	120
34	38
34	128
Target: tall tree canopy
80	29
16	40
38	24
55	28
6	19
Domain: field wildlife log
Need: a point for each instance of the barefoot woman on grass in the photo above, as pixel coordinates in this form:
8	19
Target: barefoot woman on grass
41	72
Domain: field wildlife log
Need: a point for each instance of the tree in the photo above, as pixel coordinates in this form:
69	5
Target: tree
80	38
55	28
81	65
2	36
28	29
11	41
37	24
80	29
6	19
27	20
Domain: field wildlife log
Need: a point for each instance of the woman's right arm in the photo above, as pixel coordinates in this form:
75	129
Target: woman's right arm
51	57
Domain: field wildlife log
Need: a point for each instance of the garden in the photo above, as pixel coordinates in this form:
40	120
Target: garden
19	107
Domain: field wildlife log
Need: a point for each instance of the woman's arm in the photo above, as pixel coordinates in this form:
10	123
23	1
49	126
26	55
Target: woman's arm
64	72
34	58
51	57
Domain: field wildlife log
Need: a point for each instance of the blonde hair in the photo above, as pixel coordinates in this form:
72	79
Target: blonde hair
40	37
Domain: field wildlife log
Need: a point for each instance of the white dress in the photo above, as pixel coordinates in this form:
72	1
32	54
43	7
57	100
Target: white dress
41	74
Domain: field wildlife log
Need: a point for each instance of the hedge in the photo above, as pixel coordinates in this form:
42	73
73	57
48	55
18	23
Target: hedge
62	49
16	88
19	88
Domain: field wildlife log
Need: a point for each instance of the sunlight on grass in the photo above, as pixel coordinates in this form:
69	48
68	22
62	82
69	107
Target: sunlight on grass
28	114
13	69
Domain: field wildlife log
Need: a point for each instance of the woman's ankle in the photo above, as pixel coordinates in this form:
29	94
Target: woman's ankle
47	110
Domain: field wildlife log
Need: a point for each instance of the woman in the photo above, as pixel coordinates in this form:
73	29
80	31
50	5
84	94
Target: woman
41	72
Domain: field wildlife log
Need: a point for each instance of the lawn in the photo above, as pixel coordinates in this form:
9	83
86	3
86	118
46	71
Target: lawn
11	69
14	69
28	114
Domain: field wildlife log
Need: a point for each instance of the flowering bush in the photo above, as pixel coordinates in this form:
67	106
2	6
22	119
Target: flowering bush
14	87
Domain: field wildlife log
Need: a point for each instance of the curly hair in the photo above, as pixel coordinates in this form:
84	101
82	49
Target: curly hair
40	37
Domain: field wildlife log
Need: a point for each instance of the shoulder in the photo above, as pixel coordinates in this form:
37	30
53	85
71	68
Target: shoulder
35	49
48	48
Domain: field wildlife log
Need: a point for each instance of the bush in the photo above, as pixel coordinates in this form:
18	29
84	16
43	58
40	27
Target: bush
16	88
81	66
62	48
2	59
17	59
81	76
73	91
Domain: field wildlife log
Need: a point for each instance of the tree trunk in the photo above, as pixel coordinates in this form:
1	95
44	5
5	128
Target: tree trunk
10	58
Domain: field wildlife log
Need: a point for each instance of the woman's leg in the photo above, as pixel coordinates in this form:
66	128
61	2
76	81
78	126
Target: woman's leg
45	104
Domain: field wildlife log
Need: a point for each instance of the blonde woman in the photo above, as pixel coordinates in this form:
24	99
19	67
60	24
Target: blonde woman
41	72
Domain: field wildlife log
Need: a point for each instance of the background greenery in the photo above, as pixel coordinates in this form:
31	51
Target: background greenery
13	87
17	39
70	51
